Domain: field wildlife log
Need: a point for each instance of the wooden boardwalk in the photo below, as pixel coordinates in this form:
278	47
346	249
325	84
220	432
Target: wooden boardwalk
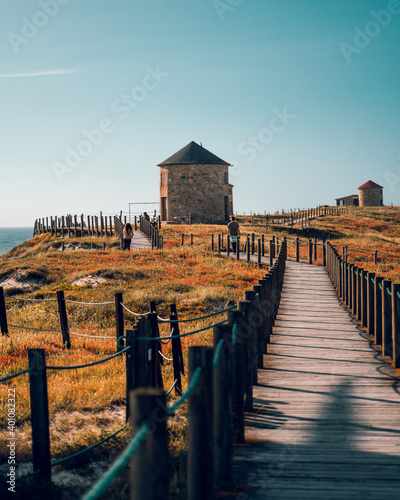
139	241
326	419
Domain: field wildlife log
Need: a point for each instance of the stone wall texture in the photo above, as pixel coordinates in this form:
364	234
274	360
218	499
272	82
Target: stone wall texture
198	189
370	197
347	201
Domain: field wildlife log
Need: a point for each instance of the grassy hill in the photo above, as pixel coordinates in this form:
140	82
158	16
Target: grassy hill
86	405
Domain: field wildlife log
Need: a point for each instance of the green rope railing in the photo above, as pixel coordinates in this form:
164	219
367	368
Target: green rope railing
184	334
14	375
234	333
75	367
218	351
120	462
81	452
36	329
188	392
163	320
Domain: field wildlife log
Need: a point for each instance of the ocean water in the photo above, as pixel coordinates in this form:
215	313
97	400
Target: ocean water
10	237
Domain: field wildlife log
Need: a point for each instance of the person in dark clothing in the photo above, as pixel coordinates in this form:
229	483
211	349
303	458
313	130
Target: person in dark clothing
233	232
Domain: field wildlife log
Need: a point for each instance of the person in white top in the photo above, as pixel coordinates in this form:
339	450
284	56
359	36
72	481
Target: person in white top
127	235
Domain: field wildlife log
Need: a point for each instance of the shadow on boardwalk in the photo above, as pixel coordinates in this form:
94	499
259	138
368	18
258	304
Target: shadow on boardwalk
326	420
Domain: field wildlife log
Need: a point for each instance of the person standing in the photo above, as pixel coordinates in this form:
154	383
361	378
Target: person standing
127	235
233	232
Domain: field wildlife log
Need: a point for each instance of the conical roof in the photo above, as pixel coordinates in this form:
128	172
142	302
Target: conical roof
193	154
369	185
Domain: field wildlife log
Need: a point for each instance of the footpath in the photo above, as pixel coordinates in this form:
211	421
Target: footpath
326	419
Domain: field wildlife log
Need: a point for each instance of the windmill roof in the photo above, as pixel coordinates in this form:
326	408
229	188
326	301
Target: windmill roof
193	154
369	185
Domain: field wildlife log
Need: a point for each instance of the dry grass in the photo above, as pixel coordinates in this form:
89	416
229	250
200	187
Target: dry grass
86	405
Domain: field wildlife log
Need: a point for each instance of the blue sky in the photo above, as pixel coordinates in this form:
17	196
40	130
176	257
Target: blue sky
301	97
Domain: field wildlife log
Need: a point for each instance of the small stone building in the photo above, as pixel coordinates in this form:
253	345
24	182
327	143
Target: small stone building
370	194
194	187
347	201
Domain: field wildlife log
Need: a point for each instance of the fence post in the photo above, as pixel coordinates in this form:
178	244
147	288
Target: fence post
39	412
386	318
370	303
269	319
359	293
200	477
350	284
242	396
149	471
223	409
364	300
212	242
396	324
271	252
219	243
63	319
355	287
310	251
378	310
315	250
273	247
119	319
131	366
297	250
155	346
177	355
262	245
256	317
3	314
259	252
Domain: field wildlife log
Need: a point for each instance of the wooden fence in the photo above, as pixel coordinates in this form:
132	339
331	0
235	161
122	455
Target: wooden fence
371	299
77	225
220	389
151	231
80	226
